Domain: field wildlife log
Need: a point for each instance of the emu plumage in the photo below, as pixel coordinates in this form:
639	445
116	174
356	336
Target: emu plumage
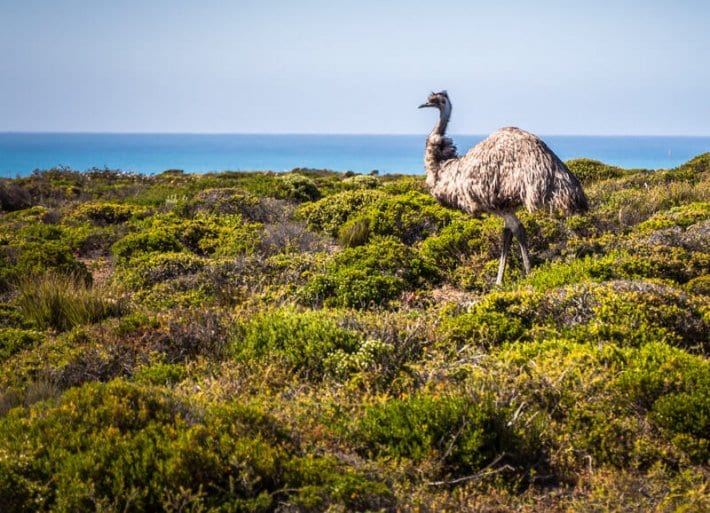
508	170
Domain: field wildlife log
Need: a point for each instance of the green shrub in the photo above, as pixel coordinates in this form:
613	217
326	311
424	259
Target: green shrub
462	238
699	285
300	187
642	313
105	213
627	313
675	387
697	165
371	274
352	287
128	448
148	241
305	341
160	374
224	235
557	273
152	268
361	182
590	171
330	213
683	216
234	201
13	340
409	217
642	262
609	402
27	258
205	234
462	432
482	328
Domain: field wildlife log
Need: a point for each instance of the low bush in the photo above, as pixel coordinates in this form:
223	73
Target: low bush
375	273
127	448
28	258
462	238
409	217
147	241
589	171
300	187
682	216
674	387
152	268
235	201
106	213
13	340
458	433
14	197
330	213
309	342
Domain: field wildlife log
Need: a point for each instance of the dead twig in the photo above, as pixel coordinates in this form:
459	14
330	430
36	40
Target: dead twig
485	471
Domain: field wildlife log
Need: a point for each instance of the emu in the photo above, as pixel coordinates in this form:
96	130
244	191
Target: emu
508	170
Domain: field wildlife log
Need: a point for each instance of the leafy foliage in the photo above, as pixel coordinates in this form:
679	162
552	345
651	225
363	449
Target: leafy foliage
317	341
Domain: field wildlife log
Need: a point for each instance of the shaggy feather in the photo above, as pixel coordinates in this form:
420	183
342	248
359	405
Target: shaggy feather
508	170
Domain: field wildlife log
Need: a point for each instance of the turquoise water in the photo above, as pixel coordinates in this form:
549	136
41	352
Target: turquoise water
22	153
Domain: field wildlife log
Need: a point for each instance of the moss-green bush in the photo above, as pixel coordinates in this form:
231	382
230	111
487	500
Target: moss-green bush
13	340
160	373
330	213
375	273
105	213
130	448
675	388
482	328
204	234
225	235
607	402
460	432
309	342
143	242
233	201
683	216
152	268
28	258
300	187
409	217
697	165
590	171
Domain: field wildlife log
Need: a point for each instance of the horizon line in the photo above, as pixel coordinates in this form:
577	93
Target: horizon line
325	134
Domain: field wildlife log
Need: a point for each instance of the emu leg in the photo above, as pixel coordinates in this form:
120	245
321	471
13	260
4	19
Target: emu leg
507	239
519	231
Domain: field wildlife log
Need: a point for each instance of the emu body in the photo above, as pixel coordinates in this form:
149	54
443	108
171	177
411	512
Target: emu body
508	170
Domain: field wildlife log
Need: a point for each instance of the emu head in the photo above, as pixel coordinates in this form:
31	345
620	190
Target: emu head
438	100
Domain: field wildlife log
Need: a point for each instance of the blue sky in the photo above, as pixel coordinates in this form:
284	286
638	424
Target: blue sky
306	66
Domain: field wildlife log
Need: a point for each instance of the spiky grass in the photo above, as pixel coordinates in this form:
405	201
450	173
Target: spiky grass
61	302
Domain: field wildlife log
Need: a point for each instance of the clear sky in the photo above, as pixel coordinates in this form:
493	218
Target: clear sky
361	66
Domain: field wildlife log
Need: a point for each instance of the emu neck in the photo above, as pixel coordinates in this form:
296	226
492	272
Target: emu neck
444	115
436	152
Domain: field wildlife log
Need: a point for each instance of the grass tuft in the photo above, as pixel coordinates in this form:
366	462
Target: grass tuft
60	302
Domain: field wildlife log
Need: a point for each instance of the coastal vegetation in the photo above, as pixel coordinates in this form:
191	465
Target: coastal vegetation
319	341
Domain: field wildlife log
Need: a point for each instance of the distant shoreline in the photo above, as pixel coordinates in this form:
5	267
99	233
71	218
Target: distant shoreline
149	153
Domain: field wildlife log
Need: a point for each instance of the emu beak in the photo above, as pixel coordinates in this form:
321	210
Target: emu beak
423	105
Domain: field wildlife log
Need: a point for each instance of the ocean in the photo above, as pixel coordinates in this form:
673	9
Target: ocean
22	153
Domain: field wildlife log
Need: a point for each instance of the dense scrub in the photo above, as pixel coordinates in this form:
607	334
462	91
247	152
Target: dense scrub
315	341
